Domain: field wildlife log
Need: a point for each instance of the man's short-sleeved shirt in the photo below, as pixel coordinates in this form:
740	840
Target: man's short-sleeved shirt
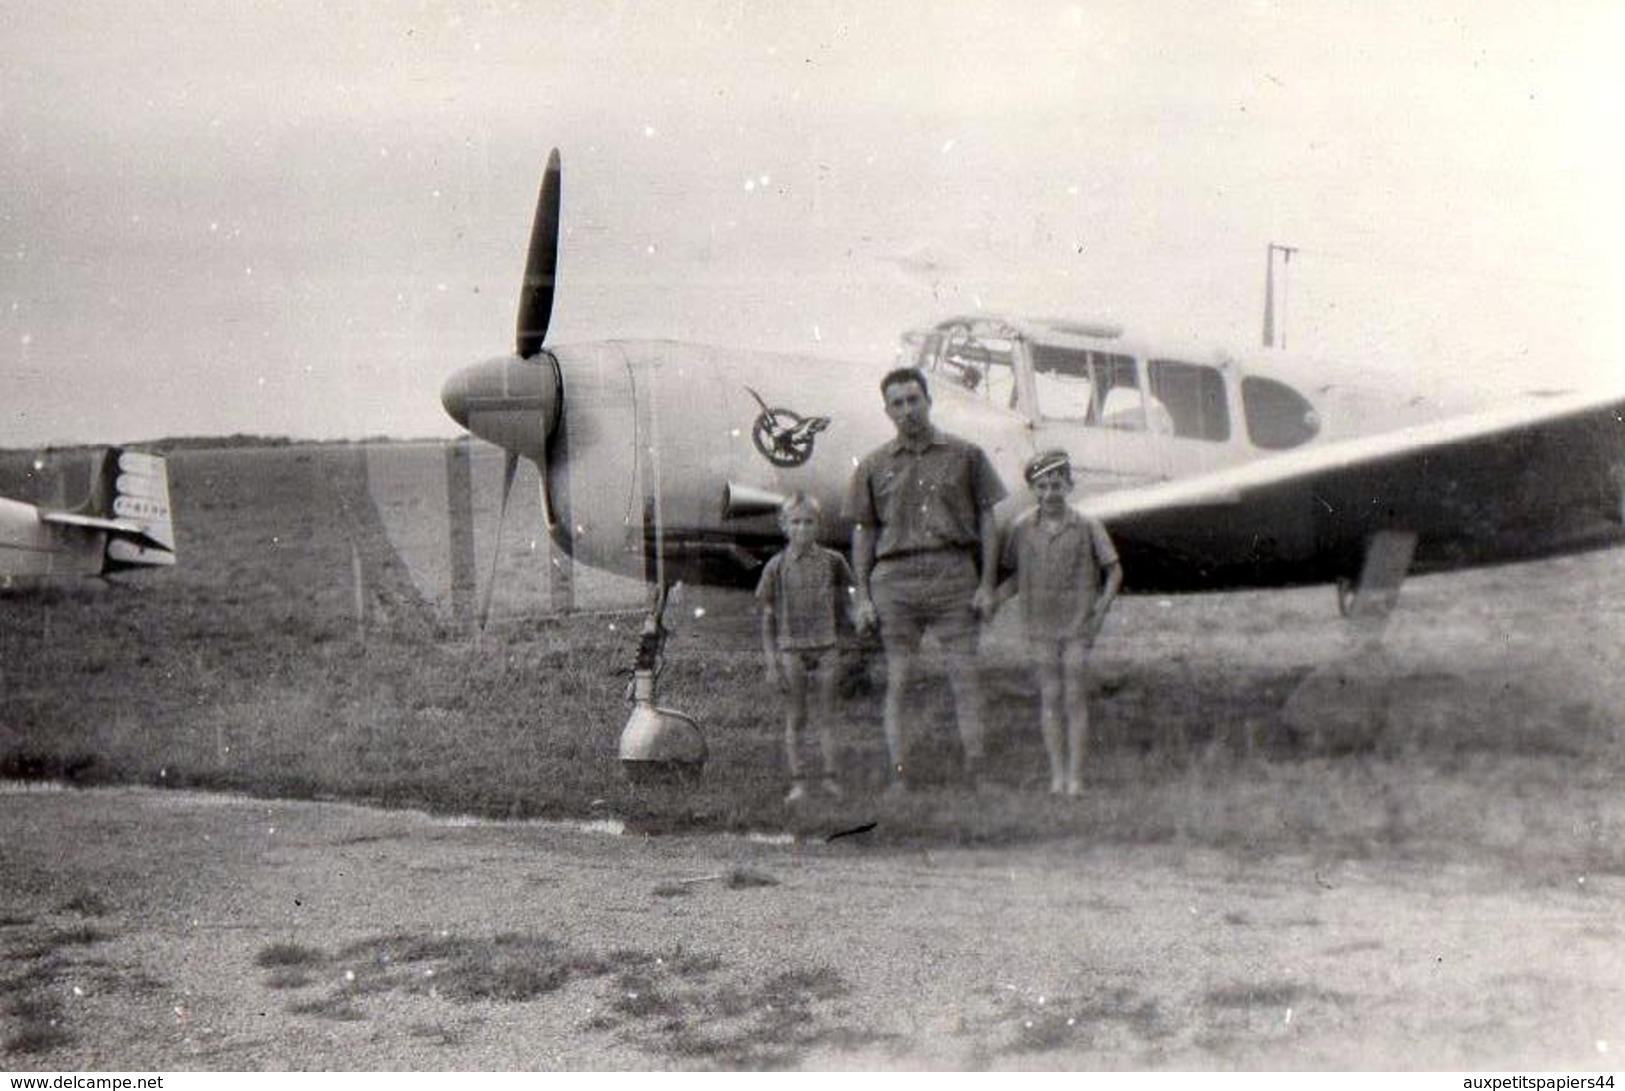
919	499
1058	568
805	591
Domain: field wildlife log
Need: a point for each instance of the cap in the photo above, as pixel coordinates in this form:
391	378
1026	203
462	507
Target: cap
1048	462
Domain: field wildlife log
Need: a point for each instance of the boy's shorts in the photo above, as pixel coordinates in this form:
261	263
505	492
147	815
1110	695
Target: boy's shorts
1045	650
811	660
926	592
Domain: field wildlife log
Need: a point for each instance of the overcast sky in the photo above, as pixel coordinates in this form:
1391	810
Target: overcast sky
298	218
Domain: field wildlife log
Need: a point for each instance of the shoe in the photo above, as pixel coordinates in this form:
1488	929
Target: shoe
1057	786
832	788
896	789
797	793
1074	788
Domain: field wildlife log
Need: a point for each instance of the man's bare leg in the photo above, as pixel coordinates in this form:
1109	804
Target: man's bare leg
964	675
899	666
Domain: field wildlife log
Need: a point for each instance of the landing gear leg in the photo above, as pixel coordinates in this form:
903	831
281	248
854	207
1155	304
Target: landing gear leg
1343	704
1368	606
658	745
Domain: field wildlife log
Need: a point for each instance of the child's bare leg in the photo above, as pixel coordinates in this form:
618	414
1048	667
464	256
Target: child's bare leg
822	691
795	712
1047	664
1075	666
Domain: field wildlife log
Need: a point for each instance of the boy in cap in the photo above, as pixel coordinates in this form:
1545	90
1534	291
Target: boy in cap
1066	574
803	588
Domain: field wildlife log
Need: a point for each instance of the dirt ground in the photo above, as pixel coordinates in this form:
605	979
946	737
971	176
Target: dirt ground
148	930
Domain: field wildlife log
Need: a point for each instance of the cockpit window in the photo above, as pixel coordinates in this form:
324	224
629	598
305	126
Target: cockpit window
976	359
1278	417
1193	396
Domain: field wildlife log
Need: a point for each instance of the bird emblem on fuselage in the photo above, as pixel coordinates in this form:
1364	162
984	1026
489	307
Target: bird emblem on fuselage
783	436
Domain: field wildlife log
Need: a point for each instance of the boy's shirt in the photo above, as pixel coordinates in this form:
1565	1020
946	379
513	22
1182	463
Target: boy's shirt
1057	567
805	592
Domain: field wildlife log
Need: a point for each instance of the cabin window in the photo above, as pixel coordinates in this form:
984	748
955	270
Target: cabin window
1278	417
1194	398
1063	382
1098	388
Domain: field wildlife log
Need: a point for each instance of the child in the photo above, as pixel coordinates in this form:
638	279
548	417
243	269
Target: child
1059	557
803	587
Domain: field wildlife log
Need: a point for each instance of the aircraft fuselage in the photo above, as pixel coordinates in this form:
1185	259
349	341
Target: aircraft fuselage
667	458
32	548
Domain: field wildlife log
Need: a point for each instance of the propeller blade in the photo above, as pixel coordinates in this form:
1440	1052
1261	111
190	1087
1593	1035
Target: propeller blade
510	467
549	520
541	265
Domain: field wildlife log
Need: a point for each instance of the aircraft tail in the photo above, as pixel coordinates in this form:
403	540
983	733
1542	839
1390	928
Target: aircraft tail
129	502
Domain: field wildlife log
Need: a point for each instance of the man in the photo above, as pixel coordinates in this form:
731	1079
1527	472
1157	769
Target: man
925	557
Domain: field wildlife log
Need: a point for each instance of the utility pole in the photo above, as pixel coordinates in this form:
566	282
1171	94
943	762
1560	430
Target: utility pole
1286	253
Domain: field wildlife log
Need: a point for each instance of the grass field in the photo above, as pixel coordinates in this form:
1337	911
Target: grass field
1492	728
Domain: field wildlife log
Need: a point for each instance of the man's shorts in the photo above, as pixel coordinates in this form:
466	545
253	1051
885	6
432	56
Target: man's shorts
926	592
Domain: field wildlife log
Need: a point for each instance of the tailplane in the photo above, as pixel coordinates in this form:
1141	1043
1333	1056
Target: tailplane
129	502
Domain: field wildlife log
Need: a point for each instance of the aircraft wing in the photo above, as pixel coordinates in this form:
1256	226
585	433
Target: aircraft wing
1536	477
